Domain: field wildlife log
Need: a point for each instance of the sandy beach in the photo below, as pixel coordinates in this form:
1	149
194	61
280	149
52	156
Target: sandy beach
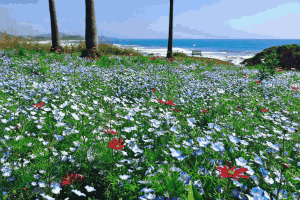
229	57
233	58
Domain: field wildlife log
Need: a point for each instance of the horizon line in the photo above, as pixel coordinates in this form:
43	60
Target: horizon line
161	38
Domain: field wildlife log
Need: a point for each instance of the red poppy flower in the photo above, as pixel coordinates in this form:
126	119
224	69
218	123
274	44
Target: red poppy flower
170	102
110	131
41	104
230	173
285	166
264	110
117	144
72	178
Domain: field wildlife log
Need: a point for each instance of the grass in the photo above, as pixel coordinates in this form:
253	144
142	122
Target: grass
138	127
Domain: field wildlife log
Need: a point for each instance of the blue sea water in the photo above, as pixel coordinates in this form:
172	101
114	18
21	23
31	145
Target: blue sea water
237	46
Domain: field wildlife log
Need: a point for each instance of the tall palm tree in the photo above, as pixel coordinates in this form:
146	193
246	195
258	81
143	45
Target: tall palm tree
91	36
54	29
170	39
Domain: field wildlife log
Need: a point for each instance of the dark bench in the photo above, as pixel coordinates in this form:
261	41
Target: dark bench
196	53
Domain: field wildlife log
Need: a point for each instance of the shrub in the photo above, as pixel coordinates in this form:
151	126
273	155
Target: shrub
288	55
179	54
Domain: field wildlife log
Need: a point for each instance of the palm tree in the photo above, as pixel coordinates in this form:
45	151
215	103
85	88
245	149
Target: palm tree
91	36
54	29
170	39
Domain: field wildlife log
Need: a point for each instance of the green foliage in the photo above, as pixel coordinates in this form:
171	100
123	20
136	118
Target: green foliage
193	193
271	63
44	67
108	183
43	52
22	51
115	51
288	56
188	61
179	54
105	61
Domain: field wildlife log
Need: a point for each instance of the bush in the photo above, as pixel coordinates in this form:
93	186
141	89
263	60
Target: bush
179	54
288	55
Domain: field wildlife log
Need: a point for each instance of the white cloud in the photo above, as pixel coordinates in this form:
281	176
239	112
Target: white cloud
222	19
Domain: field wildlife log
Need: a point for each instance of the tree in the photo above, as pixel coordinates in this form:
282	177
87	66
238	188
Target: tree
54	29
91	36
170	39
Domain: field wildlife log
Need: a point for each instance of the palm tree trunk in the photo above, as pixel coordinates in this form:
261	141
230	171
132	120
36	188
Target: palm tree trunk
170	39
54	29
91	36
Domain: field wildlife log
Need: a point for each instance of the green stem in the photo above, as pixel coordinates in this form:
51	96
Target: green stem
1	185
168	81
279	185
110	130
227	187
49	188
270	157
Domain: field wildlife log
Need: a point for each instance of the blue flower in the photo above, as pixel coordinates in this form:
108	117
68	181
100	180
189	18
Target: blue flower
235	193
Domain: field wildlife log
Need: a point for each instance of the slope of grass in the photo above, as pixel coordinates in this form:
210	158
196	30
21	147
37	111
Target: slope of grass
136	127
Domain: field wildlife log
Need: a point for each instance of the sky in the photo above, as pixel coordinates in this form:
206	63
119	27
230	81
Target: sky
142	19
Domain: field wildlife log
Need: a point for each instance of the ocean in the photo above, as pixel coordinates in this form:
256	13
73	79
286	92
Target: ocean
230	50
237	46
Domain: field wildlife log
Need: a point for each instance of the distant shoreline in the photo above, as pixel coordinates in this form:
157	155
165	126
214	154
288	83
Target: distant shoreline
40	38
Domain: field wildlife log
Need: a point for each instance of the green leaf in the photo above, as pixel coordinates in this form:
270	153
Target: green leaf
130	187
284	160
171	183
193	193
